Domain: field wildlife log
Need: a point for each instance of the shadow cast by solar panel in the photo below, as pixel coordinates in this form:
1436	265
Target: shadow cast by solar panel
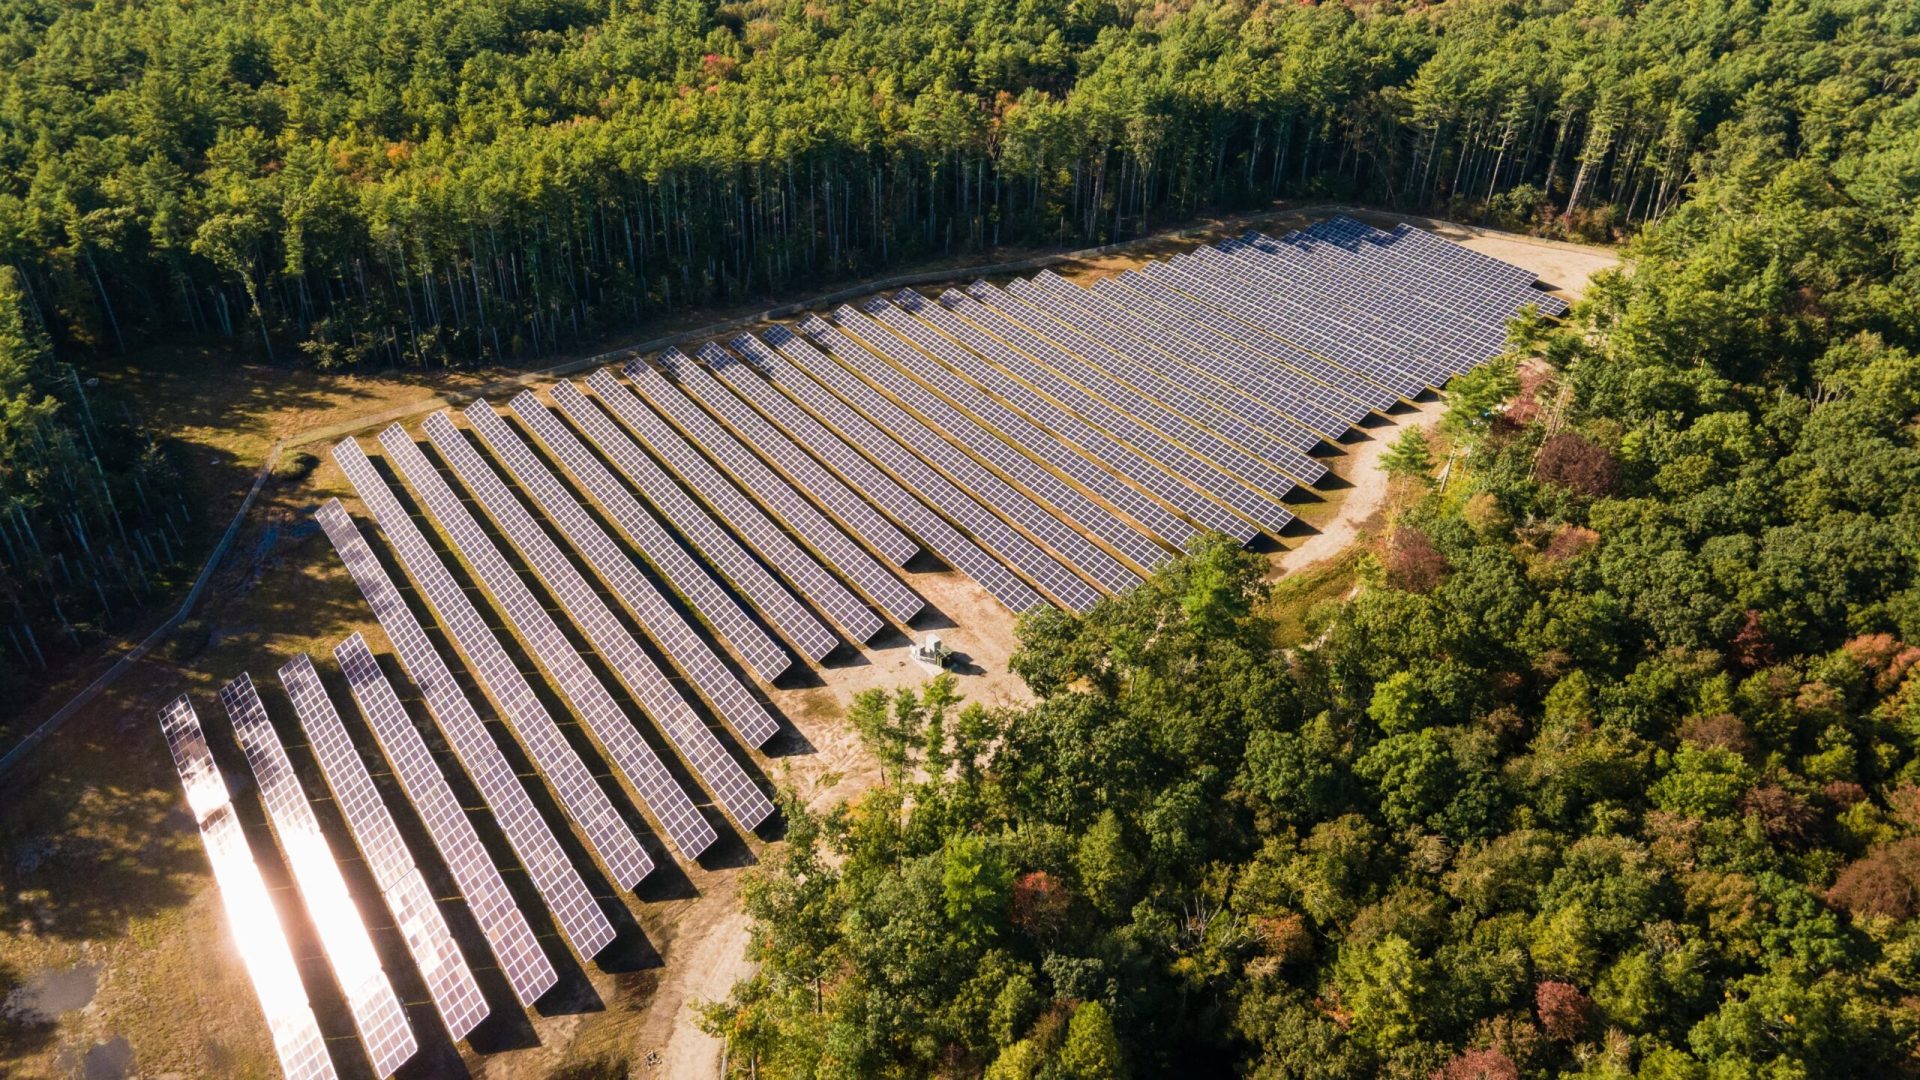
789	741
801	676
506	1026
629	953
733	853
844	657
442	1059
1331	482
931	618
1265	544
894	638
525	895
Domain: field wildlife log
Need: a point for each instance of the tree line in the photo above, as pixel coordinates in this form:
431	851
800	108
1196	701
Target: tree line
420	182
1610	768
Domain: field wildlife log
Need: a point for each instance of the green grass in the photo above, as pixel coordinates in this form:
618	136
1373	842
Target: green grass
1296	595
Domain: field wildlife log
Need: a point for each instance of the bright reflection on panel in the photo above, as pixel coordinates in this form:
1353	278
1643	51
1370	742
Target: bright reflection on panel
376	1011
250	913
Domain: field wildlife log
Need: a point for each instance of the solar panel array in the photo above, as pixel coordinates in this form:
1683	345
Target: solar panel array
913	459
527	969
834	546
715	604
1194	486
581	797
546	862
1045	447
854	513
998	447
833	449
1048	440
251	917
1141	365
681	641
376	1012
635	669
722	550
449	980
660	793
1063	346
1061	536
739	512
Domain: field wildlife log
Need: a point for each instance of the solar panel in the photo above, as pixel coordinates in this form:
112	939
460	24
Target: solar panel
1449	289
718	544
377	1014
953	546
547	864
721	610
1151	373
857	515
999	448
1469	266
1281	291
732	506
943	377
834	546
971	515
1063	357
1353	392
525	966
1241	359
580	796
659	792
941	358
1253	382
251	917
1326	320
449	981
1084	327
1065	543
1151	459
610	637
680	640
1363	282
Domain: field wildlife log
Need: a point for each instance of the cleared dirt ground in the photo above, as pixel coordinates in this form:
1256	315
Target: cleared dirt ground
114	960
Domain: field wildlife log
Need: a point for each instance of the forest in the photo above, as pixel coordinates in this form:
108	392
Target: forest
1609	767
416	183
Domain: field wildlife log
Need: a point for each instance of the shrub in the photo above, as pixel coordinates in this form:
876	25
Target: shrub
295	467
187	641
1568	460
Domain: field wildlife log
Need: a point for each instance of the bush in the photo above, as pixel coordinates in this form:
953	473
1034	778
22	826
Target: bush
295	467
187	641
1568	460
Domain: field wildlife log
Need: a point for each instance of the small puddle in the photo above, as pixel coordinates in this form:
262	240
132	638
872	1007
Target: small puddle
111	1060
43	998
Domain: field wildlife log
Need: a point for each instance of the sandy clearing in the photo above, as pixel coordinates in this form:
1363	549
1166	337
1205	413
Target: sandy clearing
1361	506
